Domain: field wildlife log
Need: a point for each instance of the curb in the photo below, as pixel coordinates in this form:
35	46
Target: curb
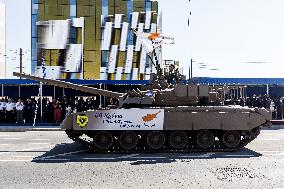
13	129
45	129
273	127
27	128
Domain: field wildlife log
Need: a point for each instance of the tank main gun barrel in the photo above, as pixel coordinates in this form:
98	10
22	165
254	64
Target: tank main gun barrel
64	84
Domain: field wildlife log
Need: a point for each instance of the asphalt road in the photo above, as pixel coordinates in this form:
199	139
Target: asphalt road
48	159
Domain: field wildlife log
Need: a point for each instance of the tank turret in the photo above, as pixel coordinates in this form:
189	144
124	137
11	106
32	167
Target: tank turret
157	93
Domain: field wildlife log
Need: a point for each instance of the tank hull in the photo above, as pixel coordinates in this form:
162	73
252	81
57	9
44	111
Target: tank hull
176	128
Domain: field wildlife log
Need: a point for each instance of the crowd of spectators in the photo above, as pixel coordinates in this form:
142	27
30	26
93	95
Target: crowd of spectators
17	111
28	111
275	104
253	101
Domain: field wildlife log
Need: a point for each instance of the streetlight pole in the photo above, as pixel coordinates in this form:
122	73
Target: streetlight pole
191	68
191	61
21	60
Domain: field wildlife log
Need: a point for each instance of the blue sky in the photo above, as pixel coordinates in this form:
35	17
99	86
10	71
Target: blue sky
226	34
240	38
18	33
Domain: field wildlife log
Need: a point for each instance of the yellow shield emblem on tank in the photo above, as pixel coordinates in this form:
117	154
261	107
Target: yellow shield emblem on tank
82	120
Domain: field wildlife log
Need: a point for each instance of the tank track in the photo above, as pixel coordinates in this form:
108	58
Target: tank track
190	148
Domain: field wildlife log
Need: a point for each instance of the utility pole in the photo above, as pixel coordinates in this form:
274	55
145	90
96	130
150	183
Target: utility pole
189	69
21	60
191	61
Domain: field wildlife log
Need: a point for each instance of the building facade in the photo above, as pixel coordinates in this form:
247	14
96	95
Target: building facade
101	29
2	41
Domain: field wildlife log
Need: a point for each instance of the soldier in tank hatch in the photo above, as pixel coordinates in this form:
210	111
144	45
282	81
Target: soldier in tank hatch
173	75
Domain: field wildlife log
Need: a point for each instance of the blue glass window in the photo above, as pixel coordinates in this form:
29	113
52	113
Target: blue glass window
33	69
73	2
148	6
130	36
105	7
129	17
72	11
35	9
34	19
104	58
129	10
34	27
73	35
34	47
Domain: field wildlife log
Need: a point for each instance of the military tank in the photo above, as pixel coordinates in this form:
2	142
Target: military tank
163	117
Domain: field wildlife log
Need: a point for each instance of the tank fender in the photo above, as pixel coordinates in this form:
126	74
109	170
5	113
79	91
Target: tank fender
67	123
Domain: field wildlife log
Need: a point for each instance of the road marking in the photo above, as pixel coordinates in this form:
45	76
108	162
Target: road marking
53	159
102	158
39	139
270	139
128	156
10	138
23	150
38	143
272	153
209	154
148	157
268	151
280	154
15	160
27	149
239	155
64	154
22	156
4	144
4	135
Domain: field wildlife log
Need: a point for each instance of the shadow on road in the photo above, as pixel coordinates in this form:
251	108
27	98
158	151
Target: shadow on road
73	152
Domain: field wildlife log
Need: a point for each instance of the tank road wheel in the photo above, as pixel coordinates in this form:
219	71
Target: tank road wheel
103	140
178	139
231	139
205	139
128	140
156	140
